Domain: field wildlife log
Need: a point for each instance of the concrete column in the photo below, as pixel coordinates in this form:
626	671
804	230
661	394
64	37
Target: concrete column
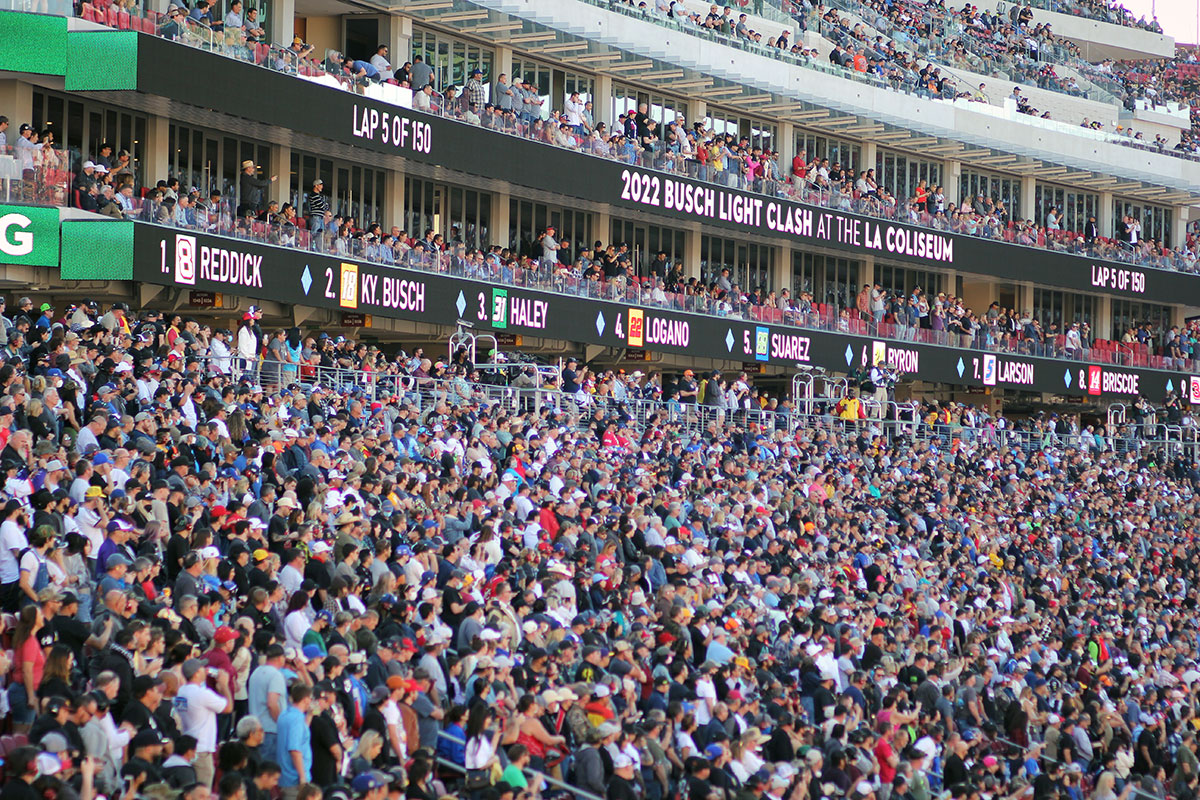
691	252
602	100
978	294
1181	215
281	165
281	21
393	199
504	58
697	110
155	152
16	98
867	153
399	39
1024	298
601	227
1028	201
781	277
867	274
501	219
786	145
1106	219
951	172
1102	324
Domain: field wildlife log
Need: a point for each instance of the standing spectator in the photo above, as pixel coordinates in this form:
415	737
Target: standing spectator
318	208
294	749
476	90
29	662
381	63
422	73
27	148
504	93
251	189
550	247
198	707
327	747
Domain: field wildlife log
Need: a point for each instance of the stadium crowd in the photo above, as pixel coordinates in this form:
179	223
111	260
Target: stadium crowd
224	577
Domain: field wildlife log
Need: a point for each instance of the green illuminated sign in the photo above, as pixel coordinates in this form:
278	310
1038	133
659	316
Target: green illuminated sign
29	236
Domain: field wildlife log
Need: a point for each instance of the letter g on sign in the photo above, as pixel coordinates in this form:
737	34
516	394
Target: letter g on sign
18	243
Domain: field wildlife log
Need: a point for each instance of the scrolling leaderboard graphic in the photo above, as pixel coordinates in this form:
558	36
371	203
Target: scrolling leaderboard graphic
199	261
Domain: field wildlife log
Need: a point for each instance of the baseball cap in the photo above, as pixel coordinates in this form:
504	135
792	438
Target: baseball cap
227	634
191	667
367	781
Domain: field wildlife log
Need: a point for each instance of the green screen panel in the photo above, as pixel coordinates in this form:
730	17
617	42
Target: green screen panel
97	251
101	61
29	236
33	43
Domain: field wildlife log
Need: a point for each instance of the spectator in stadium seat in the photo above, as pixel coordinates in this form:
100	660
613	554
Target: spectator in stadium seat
423	98
201	13
171	25
233	18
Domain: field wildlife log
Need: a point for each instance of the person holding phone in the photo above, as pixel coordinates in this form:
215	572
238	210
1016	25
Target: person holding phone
198	707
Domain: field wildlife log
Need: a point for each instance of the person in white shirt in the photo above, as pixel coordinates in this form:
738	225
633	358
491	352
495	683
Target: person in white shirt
26	148
397	736
706	694
574	112
297	622
381	63
12	542
1073	343
220	357
292	575
197	707
247	344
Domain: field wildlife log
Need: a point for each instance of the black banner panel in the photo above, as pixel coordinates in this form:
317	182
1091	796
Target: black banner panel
206	80
190	260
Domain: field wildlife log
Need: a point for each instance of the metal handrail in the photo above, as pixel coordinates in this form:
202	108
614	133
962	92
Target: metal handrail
903	420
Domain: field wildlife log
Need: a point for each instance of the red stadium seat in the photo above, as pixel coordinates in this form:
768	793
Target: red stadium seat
88	11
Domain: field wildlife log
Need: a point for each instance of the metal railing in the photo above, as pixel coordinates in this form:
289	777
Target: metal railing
897	421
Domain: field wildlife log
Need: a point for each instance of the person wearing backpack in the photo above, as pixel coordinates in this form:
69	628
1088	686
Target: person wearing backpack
34	566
